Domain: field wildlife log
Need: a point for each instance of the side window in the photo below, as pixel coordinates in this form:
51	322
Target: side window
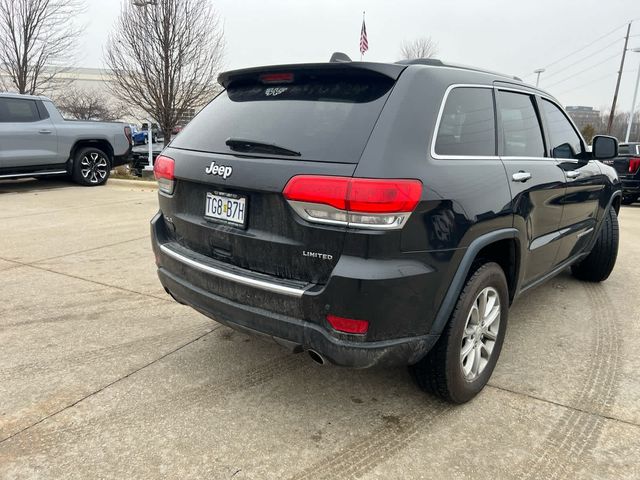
18	110
42	110
521	132
563	139
467	125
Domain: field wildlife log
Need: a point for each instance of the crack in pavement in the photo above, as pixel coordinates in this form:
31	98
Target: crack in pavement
115	244
76	277
75	207
563	405
101	389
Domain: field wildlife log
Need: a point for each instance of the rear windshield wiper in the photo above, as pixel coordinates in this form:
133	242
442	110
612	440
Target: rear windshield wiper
244	145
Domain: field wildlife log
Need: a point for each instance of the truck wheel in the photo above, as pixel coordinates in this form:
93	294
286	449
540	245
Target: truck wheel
462	360
597	266
91	167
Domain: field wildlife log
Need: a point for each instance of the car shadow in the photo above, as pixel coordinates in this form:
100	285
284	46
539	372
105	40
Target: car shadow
32	184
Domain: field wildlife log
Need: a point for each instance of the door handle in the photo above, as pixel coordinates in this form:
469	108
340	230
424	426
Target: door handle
521	176
573	174
45	132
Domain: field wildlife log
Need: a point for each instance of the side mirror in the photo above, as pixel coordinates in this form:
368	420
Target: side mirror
604	147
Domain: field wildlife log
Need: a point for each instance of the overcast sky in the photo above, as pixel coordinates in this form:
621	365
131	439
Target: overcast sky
510	36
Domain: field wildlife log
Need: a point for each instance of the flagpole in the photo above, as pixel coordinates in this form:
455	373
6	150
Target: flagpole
361	34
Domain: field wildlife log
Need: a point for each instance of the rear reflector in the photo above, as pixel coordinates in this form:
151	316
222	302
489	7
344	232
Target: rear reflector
634	164
357	202
348	325
163	169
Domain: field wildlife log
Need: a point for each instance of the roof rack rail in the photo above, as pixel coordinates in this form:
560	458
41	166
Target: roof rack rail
439	63
339	57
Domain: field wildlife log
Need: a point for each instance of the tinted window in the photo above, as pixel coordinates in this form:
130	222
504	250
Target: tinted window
467	126
326	119
18	110
42	110
521	132
563	139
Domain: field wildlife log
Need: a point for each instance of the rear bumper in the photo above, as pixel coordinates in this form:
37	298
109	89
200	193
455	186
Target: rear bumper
630	186
290	313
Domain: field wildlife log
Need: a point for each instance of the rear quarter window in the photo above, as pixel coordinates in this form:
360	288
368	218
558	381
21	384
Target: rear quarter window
325	119
467	123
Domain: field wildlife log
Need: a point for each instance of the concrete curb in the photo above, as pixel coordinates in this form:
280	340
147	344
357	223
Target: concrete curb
132	183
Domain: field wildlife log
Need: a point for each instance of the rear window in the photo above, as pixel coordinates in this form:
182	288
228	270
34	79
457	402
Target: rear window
324	119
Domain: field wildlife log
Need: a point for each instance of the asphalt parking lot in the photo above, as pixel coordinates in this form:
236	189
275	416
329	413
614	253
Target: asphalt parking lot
102	375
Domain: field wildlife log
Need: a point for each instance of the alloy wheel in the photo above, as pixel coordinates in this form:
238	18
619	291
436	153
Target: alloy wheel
480	333
94	167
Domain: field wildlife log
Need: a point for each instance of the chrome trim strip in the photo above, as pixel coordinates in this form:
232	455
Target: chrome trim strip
586	232
233	277
32	174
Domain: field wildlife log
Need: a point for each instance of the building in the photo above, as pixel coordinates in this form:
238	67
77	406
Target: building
583	116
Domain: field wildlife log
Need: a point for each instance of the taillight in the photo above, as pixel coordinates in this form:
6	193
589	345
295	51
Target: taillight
348	325
127	133
354	202
163	169
634	164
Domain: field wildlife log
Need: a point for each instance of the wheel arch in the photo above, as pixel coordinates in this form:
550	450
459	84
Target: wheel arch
501	246
102	144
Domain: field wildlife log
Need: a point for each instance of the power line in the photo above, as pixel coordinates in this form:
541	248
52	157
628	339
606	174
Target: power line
586	46
584	58
582	71
608	75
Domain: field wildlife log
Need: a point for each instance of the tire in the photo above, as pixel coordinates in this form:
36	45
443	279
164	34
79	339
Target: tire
445	371
598	265
91	167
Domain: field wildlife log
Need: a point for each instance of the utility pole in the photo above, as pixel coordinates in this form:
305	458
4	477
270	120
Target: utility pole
615	94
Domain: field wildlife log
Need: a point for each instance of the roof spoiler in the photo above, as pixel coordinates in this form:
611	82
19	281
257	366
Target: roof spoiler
338	67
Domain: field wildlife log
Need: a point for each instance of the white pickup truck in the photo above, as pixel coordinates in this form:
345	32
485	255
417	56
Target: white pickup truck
35	140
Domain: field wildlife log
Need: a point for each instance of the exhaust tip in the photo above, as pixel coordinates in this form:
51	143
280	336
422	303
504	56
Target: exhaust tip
316	357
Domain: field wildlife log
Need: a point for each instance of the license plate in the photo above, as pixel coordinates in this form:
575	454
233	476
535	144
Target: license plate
226	208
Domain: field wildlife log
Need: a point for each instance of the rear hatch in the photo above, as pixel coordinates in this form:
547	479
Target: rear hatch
622	163
238	154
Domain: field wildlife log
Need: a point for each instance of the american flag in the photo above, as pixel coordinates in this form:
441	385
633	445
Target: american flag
364	42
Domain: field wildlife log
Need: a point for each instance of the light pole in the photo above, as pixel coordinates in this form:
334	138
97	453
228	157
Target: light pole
144	4
633	103
538	71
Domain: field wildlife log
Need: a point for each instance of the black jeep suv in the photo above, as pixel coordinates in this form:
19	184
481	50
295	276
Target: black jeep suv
381	213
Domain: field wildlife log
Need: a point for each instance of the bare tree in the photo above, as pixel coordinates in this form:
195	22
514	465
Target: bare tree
423	47
87	105
166	57
34	36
